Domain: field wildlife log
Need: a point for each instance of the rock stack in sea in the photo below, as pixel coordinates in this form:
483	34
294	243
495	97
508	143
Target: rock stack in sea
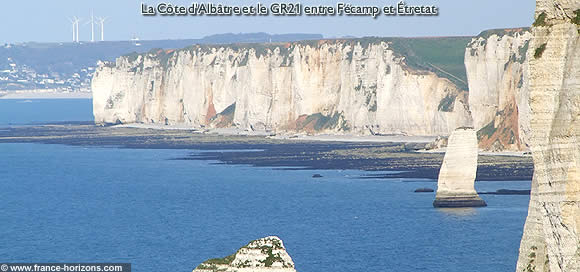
263	255
551	239
455	187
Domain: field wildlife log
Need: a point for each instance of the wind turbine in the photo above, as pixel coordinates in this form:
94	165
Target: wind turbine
101	21
74	26
92	22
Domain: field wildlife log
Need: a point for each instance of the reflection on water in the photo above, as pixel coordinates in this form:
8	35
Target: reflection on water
458	211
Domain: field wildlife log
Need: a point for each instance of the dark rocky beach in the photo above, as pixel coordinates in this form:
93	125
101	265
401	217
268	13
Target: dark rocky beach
400	158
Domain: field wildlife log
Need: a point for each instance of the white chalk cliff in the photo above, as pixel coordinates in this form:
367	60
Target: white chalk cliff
551	239
333	86
263	255
497	74
455	186
349	86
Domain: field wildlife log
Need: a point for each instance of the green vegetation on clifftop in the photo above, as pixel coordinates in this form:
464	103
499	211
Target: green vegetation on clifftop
502	31
443	56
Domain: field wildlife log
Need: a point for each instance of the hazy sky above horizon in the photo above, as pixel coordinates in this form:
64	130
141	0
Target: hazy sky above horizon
46	21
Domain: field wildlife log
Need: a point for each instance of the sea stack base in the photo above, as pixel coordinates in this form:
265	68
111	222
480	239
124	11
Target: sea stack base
456	183
459	202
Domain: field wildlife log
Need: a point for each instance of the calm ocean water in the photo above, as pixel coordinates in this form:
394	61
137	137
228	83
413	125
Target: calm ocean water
78	204
35	111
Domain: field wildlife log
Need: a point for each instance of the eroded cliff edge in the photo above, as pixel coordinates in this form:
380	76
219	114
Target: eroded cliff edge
362	86
497	74
551	240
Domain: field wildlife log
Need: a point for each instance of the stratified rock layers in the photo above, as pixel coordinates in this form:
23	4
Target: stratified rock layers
455	187
333	86
263	255
497	74
551	239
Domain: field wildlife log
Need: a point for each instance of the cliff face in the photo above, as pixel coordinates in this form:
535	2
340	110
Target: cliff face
336	86
551	240
263	255
364	86
497	73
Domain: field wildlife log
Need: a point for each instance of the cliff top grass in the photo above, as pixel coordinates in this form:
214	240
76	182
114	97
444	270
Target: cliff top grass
445	56
225	260
502	31
442	55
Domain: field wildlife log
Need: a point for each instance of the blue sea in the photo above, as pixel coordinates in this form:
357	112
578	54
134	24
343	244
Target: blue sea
94	204
39	111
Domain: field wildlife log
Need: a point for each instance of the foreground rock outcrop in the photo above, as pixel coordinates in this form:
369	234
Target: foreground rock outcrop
455	187
263	255
551	239
363	86
497	73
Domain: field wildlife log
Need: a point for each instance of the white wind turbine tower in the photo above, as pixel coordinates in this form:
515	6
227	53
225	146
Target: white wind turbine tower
92	22
101	21
74	26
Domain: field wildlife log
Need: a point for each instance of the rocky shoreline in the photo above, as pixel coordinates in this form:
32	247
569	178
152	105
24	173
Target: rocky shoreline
400	159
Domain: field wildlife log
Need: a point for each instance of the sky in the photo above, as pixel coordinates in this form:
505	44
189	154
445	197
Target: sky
47	21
